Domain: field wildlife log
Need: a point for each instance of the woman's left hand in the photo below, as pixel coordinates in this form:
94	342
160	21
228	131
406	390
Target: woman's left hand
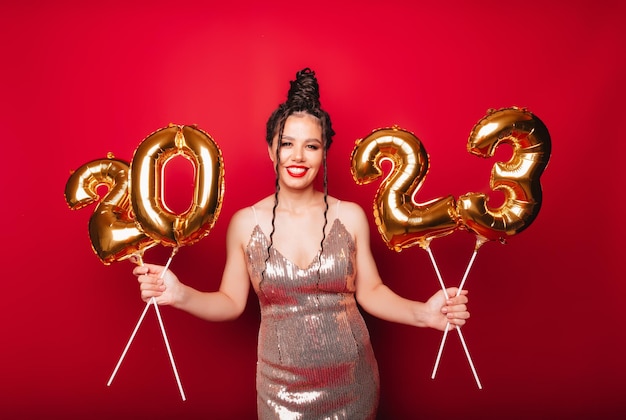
448	312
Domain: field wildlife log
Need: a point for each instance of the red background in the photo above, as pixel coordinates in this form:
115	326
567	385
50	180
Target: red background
79	81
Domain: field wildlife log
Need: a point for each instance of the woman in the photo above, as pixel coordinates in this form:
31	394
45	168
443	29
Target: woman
307	256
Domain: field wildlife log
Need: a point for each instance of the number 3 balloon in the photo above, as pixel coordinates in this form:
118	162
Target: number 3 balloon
146	185
518	178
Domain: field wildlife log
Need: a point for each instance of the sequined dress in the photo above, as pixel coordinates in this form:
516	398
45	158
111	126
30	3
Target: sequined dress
315	359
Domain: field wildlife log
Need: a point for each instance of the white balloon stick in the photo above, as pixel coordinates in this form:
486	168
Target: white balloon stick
153	302
443	339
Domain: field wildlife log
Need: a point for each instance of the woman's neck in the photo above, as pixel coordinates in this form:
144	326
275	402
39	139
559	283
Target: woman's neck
297	201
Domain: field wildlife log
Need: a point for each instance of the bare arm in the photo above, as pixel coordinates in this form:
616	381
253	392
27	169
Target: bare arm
225	304
379	300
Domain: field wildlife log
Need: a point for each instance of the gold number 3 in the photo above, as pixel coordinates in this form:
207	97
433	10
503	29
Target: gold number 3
518	178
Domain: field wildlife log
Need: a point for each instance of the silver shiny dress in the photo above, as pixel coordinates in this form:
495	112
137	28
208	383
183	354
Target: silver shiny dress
315	359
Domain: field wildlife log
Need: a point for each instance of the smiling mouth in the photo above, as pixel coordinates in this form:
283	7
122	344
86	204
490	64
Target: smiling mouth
296	171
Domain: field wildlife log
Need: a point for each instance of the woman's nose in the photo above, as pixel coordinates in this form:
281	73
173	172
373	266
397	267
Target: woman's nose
298	154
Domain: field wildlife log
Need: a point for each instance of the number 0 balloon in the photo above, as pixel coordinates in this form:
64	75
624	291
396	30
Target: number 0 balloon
146	185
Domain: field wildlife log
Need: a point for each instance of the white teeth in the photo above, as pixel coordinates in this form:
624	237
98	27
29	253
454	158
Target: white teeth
296	171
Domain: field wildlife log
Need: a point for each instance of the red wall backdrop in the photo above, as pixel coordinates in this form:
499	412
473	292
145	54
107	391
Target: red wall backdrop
79	81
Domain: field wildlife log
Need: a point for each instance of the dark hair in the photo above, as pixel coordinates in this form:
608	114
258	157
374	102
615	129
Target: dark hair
303	97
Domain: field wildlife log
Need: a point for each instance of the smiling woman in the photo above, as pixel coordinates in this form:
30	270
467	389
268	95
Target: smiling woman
300	150
307	256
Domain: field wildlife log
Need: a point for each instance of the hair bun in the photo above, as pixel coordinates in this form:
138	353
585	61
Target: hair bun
303	96
304	91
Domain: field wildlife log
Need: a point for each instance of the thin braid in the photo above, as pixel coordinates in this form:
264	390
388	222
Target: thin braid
281	128
324	162
319	257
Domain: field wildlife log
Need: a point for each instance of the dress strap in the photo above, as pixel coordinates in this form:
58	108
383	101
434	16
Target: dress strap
256	220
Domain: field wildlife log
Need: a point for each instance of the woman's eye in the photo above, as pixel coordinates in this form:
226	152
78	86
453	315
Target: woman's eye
313	146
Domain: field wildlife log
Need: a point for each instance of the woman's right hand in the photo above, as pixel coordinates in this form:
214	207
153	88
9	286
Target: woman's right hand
152	285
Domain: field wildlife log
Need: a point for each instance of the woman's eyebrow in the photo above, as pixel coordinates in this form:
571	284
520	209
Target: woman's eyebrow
309	140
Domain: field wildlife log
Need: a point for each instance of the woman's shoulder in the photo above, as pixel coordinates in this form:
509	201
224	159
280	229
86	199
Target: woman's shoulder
354	219
351	214
346	209
247	217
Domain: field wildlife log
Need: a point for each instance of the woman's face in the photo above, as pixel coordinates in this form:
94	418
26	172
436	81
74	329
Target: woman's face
301	151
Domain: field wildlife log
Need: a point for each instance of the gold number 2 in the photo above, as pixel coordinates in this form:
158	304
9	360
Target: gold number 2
401	221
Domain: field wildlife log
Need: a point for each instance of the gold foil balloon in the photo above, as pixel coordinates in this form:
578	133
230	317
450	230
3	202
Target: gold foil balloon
146	177
517	178
401	221
113	232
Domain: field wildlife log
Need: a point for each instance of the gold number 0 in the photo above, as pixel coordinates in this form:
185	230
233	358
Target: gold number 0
156	219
